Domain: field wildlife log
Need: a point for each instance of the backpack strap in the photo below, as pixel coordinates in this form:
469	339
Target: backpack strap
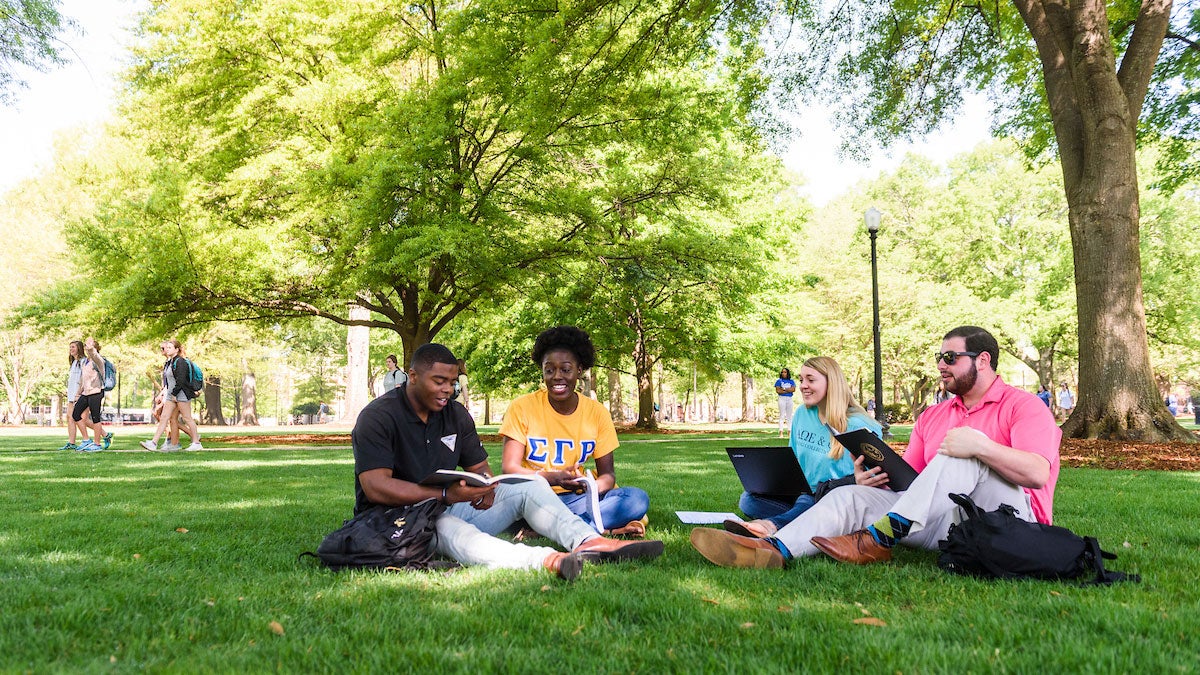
966	504
1104	577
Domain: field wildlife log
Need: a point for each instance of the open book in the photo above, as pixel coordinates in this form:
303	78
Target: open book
444	477
588	481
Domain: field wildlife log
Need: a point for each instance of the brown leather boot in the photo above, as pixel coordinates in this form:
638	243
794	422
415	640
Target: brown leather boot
566	565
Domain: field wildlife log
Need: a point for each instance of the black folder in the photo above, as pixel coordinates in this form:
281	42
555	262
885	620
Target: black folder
876	453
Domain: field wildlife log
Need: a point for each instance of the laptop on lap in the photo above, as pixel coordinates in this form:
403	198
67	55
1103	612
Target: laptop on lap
769	472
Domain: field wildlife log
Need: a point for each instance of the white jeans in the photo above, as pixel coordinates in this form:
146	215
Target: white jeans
785	412
466	533
926	503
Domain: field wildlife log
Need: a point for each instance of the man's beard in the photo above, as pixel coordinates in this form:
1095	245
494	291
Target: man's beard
960	385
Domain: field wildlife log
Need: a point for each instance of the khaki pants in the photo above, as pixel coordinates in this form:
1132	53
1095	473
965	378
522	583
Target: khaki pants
926	503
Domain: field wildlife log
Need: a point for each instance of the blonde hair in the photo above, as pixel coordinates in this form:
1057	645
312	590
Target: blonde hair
838	405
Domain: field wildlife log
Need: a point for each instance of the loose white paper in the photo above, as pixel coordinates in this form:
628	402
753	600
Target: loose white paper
705	517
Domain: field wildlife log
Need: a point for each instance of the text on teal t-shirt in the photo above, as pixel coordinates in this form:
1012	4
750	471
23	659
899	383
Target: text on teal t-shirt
810	441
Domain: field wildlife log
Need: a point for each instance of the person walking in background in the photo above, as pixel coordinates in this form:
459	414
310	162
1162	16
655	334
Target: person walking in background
827	408
460	386
175	397
394	377
1044	394
1173	404
74	372
785	386
91	397
1066	402
1196	403
171	444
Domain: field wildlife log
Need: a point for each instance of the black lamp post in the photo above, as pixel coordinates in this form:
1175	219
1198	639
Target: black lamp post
871	217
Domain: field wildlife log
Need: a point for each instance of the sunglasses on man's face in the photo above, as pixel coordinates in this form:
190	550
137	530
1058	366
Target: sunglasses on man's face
949	358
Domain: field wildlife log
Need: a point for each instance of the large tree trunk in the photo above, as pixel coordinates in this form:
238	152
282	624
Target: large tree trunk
614	396
212	401
747	397
645	378
358	355
249	412
1095	110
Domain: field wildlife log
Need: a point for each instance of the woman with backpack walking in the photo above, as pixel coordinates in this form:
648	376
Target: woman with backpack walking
91	396
176	397
74	373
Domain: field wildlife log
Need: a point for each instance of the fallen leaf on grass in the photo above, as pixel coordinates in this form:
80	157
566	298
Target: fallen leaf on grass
137	556
870	621
784	608
181	529
546	587
1055	593
276	628
578	630
748	624
710	601
865	611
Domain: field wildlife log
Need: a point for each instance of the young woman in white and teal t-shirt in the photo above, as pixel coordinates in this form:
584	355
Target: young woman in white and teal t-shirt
827	408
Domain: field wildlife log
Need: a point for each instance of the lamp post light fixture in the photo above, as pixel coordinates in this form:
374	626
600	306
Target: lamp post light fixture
871	217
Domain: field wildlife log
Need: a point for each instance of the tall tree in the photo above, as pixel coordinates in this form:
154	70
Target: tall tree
409	159
1074	75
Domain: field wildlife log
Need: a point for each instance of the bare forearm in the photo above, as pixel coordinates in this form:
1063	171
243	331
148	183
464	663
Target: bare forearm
1020	467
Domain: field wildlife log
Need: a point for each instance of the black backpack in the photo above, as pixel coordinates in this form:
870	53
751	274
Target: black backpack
384	537
999	545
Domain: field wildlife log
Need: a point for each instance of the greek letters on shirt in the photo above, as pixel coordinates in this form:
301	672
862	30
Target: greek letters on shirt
557	451
818	441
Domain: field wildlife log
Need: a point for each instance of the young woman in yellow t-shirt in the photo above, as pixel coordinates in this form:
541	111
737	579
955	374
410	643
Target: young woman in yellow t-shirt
553	432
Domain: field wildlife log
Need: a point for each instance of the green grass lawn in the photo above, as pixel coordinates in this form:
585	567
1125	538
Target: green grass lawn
186	562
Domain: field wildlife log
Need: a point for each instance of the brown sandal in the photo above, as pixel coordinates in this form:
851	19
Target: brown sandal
634	529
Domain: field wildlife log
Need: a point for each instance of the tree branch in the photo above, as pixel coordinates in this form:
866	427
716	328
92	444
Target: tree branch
1137	65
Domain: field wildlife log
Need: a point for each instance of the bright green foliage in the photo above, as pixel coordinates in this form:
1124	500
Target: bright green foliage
1171	109
975	241
411	159
898	69
28	39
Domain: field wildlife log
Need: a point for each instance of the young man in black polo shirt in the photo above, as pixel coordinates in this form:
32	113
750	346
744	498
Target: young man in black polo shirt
408	433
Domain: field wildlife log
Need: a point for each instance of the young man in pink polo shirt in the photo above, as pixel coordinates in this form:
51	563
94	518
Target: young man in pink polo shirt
994	442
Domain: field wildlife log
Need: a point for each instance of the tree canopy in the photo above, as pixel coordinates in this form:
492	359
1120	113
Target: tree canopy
1072	76
409	160
28	39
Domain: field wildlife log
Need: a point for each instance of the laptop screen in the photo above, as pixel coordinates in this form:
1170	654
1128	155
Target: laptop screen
772	471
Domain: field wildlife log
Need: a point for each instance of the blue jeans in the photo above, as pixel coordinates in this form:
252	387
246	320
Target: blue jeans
618	507
761	507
